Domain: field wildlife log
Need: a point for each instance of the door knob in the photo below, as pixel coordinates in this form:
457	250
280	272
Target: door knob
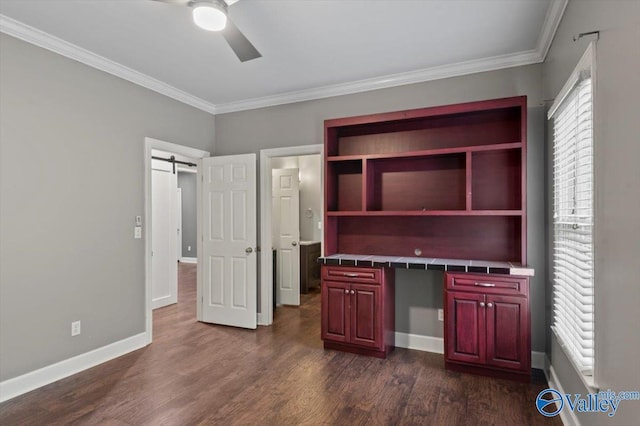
293	243
248	250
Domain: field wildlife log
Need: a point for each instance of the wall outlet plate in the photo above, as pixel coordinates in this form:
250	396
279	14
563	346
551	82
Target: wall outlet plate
75	328
440	314
137	232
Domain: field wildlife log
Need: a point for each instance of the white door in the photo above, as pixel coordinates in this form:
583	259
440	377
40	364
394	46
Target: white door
164	268
286	211
227	261
179	222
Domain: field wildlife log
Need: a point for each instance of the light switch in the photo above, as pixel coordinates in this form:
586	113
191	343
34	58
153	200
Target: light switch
137	232
138	220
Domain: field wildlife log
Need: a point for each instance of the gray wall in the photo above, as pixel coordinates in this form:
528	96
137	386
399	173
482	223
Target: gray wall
418	294
617	202
187	182
71	184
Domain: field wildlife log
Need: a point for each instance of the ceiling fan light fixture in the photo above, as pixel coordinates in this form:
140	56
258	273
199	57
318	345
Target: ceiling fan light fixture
209	16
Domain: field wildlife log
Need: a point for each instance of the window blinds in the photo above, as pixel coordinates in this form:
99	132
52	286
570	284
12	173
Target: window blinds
573	225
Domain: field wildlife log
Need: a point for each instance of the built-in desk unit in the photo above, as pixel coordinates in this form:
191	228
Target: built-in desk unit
441	188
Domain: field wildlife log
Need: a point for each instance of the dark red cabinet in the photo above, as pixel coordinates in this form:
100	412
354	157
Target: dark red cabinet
444	182
465	328
335	311
487	325
358	310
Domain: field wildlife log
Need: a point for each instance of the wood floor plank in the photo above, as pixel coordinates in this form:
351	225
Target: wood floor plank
196	373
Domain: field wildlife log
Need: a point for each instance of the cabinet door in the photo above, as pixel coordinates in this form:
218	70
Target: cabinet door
335	311
465	327
366	316
508	332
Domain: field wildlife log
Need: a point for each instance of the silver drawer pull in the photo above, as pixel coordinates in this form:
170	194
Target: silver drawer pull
484	284
352	275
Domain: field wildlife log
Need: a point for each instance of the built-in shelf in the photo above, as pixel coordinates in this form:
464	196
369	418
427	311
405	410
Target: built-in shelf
427	153
449	181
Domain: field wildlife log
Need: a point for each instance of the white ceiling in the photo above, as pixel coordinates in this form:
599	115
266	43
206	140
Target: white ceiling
310	48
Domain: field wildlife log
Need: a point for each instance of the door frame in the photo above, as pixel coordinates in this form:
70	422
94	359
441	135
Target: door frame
265	316
149	145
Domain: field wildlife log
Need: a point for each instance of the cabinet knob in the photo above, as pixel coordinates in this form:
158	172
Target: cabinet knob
346	291
482	304
293	243
489	305
353	292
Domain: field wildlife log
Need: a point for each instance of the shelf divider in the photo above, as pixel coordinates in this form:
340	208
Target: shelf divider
469	180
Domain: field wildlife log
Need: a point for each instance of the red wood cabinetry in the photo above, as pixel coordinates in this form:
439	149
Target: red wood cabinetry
487	324
441	182
437	184
358	313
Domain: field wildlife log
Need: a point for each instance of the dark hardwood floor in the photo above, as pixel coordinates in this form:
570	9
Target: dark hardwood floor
196	373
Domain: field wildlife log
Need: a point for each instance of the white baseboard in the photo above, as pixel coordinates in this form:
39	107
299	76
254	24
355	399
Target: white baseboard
568	417
538	360
436	345
420	343
27	382
188	260
163	301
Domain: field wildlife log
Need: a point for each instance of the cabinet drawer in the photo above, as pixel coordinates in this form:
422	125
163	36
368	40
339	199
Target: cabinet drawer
488	284
354	275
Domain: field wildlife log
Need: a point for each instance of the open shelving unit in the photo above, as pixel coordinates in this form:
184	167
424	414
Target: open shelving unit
441	182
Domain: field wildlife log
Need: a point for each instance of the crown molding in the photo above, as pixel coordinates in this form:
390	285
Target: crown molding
550	26
392	80
39	38
47	41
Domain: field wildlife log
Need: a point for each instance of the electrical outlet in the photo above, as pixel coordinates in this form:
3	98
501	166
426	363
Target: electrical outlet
188	248
440	314
75	328
137	232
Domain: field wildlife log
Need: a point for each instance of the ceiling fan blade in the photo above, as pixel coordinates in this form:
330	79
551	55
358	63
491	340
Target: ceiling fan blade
240	45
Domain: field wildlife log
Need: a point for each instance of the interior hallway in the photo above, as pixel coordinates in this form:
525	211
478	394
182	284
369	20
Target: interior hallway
195	373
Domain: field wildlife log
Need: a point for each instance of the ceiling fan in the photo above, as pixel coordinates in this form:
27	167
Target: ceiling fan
212	15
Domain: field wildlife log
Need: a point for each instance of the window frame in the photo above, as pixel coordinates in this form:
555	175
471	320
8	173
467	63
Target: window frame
586	63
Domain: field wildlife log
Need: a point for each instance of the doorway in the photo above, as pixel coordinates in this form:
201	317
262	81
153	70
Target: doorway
158	148
295	226
310	222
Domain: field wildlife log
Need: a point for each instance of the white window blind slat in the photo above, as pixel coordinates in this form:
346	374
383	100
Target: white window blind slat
573	225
